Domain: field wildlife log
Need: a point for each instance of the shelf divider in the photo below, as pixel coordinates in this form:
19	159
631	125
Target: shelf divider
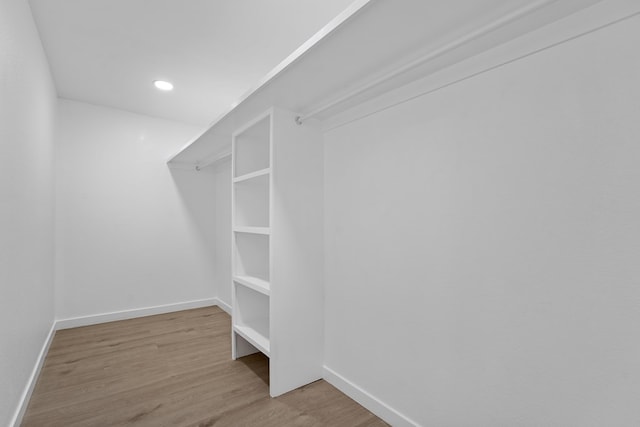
254	283
257	339
253	230
251	175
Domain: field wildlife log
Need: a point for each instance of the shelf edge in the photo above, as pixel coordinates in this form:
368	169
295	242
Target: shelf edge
254	338
253	230
255	285
251	175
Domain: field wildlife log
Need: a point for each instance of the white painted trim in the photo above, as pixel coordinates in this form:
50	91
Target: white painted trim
183	166
95	319
33	379
366	399
209	161
223	305
429	56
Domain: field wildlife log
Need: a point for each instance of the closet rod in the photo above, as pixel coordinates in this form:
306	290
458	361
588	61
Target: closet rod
480	32
212	160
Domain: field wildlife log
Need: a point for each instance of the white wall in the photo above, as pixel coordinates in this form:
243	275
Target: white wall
27	107
130	233
482	244
222	263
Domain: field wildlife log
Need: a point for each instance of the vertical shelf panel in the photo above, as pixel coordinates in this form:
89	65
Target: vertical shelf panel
296	253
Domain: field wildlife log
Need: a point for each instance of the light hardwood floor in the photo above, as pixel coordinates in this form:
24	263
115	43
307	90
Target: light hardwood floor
173	370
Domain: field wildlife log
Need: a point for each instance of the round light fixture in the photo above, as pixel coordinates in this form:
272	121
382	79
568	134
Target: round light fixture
162	85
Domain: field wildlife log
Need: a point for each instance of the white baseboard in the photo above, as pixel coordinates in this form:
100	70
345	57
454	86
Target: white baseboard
223	305
33	378
75	322
372	403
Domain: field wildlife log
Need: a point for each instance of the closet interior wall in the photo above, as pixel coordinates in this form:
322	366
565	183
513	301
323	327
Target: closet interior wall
27	121
481	244
222	205
130	233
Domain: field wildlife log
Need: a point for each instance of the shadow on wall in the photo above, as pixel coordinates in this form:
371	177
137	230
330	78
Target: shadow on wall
196	190
206	197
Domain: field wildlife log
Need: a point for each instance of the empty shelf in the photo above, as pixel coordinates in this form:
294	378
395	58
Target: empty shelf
254	283
256	338
252	230
251	175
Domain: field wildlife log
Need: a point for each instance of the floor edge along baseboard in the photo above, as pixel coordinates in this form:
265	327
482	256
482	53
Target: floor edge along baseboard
366	399
95	319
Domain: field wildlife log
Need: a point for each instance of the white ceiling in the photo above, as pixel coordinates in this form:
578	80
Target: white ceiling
108	52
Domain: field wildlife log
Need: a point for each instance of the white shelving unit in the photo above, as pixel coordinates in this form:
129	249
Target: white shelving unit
277	247
251	209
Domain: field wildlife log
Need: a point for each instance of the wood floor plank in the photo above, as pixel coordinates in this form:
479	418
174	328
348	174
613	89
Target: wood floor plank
173	369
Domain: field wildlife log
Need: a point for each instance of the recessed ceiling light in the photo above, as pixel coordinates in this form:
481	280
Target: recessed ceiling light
162	85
